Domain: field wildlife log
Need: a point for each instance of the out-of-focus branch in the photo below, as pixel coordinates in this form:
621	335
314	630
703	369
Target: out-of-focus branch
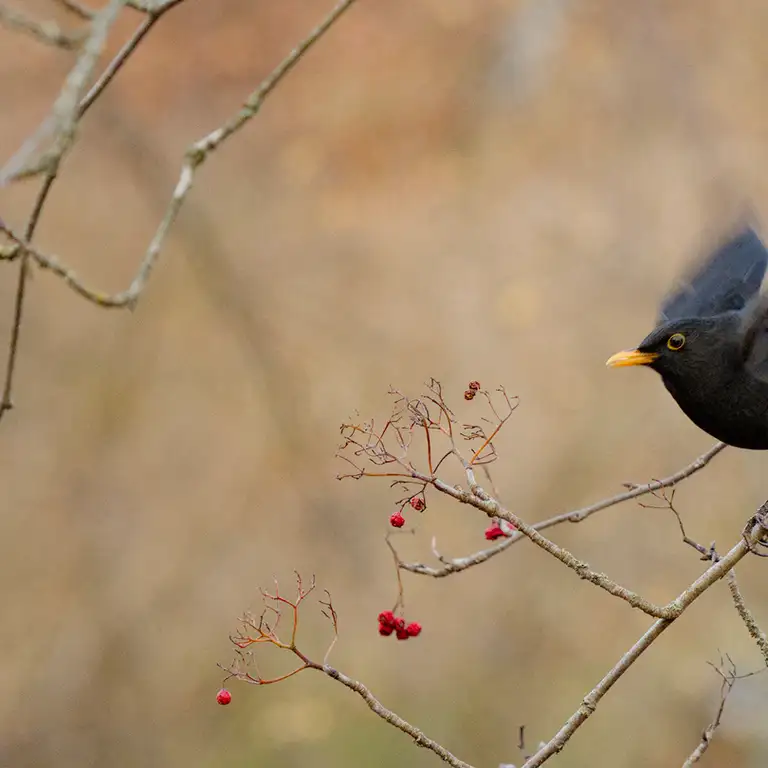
729	679
195	156
96	90
63	122
477	498
60	126
78	8
456	565
713	574
747	617
48	32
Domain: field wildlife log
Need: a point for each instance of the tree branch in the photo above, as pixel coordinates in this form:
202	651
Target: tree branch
390	717
746	616
713	574
456	565
48	32
195	156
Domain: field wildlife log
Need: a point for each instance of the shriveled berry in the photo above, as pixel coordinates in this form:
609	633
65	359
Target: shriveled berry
413	629
399	624
418	503
493	532
469	394
397	520
387	618
474	385
402	634
223	697
386	629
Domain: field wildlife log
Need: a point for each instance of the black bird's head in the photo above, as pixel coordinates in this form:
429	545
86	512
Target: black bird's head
690	349
710	344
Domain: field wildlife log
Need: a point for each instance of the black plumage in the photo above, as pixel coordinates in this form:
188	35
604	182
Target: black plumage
710	346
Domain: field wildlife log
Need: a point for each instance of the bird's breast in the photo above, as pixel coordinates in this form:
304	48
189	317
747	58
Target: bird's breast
734	410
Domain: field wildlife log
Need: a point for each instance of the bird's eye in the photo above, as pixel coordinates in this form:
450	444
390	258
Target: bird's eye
676	341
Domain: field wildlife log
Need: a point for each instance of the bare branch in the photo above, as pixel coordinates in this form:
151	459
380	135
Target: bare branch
393	719
195	156
48	32
747	617
459	564
60	126
78	9
97	89
713	574
477	498
729	679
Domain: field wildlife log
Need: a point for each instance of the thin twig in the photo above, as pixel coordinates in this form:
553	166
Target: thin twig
729	679
6	403
78	9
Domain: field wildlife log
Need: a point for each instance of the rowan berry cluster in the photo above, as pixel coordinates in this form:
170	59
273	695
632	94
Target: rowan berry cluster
389	624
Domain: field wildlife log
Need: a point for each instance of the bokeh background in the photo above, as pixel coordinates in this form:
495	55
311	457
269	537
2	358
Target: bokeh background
497	190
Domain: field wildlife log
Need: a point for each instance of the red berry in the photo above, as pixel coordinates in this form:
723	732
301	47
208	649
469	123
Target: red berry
223	697
385	630
413	629
418	503
469	394
397	520
493	532
399	624
387	618
402	634
474	385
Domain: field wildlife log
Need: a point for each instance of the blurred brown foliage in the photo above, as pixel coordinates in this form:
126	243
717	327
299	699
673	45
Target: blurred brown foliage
499	190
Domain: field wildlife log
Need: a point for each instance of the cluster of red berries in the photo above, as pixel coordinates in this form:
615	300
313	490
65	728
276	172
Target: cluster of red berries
223	697
389	623
495	531
396	519
470	393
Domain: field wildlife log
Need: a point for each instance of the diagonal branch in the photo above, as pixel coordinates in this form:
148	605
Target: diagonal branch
458	564
61	124
713	574
391	717
477	498
48	32
96	90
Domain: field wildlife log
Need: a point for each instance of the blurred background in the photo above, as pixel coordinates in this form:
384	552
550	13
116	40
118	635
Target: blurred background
498	190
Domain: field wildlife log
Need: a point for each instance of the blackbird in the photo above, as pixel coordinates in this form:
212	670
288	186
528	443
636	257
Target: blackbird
710	344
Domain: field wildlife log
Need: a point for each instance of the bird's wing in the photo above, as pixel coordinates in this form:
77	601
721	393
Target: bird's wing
724	281
755	337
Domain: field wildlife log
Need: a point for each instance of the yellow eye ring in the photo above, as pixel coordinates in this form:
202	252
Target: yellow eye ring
676	341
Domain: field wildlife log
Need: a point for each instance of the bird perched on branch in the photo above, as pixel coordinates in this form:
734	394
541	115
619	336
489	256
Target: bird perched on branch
710	344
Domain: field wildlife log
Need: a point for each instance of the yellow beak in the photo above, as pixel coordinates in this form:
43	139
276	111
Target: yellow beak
631	357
